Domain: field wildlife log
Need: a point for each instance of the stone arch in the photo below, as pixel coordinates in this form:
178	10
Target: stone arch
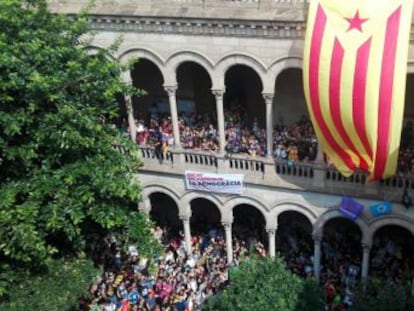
392	220
223	65
366	237
294	233
232	203
137	53
278	66
191	195
153	188
95	49
280	208
179	57
284	63
289	99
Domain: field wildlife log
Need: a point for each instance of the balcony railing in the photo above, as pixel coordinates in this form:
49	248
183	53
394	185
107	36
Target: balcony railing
299	175
202	159
246	165
334	176
299	169
150	155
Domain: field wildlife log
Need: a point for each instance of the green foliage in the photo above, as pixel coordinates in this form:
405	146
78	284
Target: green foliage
61	179
382	295
139	229
265	284
56	288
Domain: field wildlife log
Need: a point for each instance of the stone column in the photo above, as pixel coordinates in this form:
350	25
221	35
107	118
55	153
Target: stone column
144	206
220	118
187	234
365	261
126	80
317	257
229	242
272	242
319	156
171	90
319	170
268	98
131	118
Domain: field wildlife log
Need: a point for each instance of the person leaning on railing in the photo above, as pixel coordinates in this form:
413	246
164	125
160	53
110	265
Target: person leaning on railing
200	133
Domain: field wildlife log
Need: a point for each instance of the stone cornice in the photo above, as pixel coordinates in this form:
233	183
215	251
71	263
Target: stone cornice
273	19
204	27
200	27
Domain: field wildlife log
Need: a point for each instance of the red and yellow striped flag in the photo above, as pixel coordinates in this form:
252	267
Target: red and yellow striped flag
354	72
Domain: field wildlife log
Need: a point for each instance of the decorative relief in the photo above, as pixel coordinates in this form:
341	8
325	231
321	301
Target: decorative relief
271	231
218	93
171	89
245	28
286	21
268	97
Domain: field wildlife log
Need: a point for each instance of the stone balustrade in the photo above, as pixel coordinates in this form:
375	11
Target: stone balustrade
150	155
268	172
202	159
301	170
334	176
243	164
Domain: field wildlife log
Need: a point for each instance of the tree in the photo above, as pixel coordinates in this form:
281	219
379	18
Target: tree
378	294
265	284
61	179
57	289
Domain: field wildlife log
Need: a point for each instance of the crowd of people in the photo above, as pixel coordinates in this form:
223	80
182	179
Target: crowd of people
174	281
406	152
391	258
341	259
199	132
291	143
340	263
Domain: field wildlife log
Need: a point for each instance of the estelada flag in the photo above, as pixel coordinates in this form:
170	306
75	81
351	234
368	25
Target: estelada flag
354	72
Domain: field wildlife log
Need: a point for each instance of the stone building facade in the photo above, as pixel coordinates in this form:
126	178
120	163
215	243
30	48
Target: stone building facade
225	44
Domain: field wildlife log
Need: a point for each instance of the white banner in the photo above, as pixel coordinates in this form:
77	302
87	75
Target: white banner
223	183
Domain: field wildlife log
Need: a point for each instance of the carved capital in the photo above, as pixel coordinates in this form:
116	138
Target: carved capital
317	238
218	93
126	78
366	247
271	231
144	206
184	218
268	98
171	89
226	225
128	83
